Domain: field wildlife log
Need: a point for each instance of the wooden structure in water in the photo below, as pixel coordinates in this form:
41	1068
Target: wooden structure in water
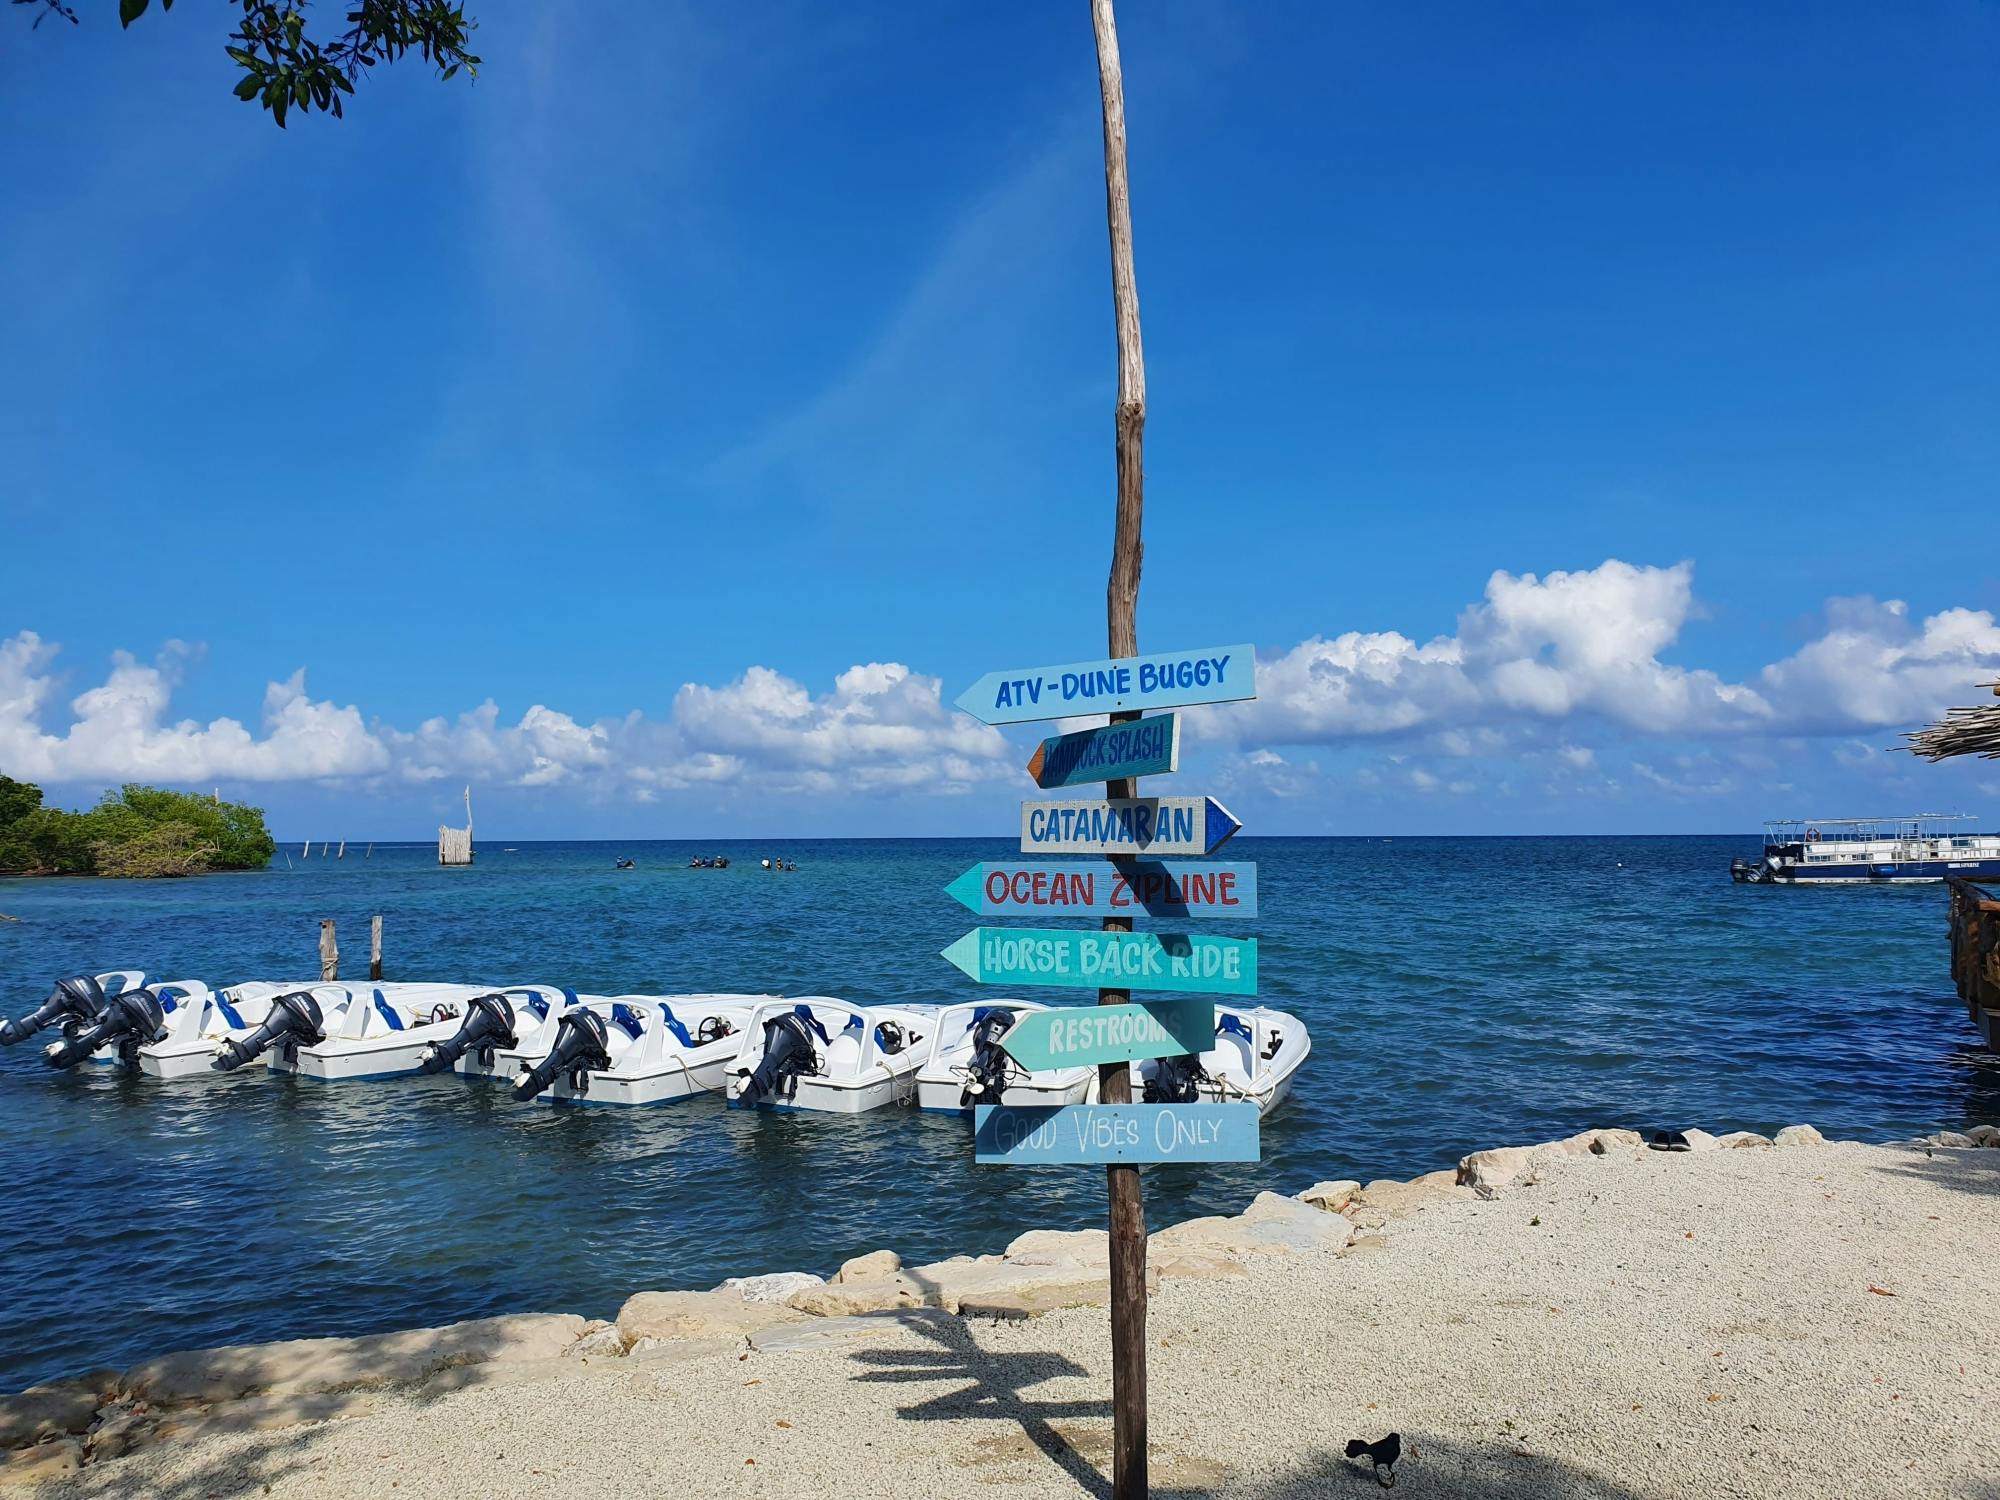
455	844
1975	955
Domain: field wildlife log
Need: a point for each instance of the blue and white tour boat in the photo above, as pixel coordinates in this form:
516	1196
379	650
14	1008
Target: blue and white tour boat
1870	851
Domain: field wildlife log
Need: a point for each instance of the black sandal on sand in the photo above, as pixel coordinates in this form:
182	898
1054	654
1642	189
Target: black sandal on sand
1670	1140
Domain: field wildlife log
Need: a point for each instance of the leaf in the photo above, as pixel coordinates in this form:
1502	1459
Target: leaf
130	11
1881	1291
247	89
278	103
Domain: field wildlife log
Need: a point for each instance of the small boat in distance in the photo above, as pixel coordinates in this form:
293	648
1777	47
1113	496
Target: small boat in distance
1869	851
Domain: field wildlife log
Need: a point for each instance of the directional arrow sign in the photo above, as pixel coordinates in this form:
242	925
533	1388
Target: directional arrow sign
1081	1134
1071	1035
1127	825
1108	960
1150	747
1121	889
1173	679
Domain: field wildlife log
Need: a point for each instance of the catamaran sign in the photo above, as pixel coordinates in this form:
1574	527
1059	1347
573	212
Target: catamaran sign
1127	825
1173	679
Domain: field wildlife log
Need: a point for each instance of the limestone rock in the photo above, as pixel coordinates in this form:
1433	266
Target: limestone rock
1330	1197
847	1299
1984	1135
1953	1139
775	1287
1197	1265
599	1339
1271	1225
1502	1167
867	1267
302	1366
1604	1142
697	1315
999	1287
1738	1140
1800	1135
1398	1200
1061	1247
1699	1140
119	1433
43	1461
266	1414
47	1411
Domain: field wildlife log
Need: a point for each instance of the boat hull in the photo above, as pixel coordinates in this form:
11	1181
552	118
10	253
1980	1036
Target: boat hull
941	1096
1908	872
391	1059
837	1097
700	1076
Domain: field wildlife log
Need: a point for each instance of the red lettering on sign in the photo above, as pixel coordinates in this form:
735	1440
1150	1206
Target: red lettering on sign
1227	888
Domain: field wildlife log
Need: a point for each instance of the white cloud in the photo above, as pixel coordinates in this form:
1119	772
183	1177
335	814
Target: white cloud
1585	647
882	726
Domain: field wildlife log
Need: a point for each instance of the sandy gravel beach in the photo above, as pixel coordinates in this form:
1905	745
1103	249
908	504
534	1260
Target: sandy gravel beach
1782	1321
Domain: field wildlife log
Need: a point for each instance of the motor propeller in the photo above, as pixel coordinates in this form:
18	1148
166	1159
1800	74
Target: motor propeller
131	1018
788	1052
73	1001
986	1074
294	1022
582	1043
488	1025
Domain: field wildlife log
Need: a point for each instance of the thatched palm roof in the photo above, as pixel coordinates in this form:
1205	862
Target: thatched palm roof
1962	731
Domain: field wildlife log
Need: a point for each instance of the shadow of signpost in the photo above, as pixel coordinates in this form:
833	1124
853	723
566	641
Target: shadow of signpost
989	1385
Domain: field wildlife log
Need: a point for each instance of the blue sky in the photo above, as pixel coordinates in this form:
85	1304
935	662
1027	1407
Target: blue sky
650	384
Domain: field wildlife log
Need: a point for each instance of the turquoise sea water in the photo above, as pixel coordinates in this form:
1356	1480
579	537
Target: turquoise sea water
1461	993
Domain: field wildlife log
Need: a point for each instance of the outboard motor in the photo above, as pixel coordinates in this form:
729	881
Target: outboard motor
131	1018
788	1053
294	1022
1176	1080
582	1043
74	1002
488	1025
986	1074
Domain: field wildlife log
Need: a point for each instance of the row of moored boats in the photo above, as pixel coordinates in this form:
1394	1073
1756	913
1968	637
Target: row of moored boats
764	1051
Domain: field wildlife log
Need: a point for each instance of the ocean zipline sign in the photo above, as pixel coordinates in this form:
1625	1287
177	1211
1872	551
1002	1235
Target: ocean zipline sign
1147	747
1172	679
1127	887
1069	1036
1091	1134
1127	826
1108	960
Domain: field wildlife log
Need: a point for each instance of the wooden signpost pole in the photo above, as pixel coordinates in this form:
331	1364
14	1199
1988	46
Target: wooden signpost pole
1128	1211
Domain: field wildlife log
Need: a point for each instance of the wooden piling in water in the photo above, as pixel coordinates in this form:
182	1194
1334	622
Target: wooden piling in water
375	948
1975	955
329	951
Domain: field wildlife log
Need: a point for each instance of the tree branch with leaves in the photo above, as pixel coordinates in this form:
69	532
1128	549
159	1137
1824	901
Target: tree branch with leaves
286	67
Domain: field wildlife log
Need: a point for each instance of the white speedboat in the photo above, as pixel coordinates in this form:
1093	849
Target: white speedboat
967	1063
639	1049
375	1030
502	1033
201	1024
825	1054
1256	1052
73	1005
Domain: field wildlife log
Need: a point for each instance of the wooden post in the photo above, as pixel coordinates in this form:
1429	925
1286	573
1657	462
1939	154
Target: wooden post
375	948
329	951
1127	1207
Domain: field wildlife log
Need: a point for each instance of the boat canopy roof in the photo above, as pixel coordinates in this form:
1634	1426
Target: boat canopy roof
1822	830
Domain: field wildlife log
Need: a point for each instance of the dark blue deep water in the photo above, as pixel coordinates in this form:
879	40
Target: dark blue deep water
1461	993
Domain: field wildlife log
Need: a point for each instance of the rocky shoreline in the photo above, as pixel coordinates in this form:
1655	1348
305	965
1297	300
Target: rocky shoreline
54	1431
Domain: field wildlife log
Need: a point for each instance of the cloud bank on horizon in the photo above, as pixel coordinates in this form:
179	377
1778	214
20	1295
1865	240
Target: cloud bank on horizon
1549	668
